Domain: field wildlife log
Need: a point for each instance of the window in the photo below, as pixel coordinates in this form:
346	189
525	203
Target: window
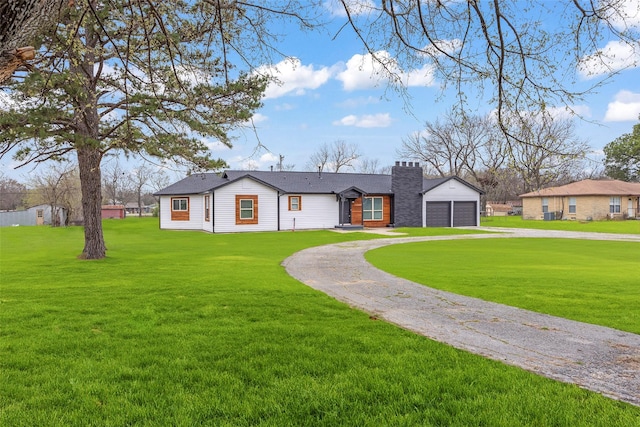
614	204
545	204
372	208
179	209
180	204
246	209
206	208
572	205
295	203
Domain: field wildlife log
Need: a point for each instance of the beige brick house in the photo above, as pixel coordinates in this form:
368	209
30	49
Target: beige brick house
584	201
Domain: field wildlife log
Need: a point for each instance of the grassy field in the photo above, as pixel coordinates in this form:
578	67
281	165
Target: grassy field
189	328
588	281
618	227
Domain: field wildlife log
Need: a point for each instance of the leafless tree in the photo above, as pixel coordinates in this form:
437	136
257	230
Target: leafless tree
58	187
455	145
115	183
507	49
366	165
140	177
552	153
334	157
159	180
12	193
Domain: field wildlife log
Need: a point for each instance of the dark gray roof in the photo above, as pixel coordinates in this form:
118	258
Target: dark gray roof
193	184
318	183
297	182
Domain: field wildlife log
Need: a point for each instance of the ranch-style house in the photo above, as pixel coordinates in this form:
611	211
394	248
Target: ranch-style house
584	201
236	201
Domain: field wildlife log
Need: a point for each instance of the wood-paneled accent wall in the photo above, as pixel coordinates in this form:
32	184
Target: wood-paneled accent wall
356	212
253	220
180	215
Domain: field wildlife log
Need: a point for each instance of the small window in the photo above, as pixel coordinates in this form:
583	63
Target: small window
206	208
295	203
545	204
246	209
614	204
180	204
572	205
40	213
372	208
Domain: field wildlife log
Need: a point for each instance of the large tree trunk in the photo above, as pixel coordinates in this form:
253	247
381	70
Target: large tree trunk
90	181
89	149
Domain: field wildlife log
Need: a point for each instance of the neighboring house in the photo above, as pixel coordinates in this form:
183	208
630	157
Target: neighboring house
504	208
113	211
133	208
584	201
36	215
269	201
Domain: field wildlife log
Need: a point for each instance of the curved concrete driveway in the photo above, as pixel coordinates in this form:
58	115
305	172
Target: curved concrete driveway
597	358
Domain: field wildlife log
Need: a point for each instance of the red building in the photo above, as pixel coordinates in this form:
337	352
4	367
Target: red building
113	211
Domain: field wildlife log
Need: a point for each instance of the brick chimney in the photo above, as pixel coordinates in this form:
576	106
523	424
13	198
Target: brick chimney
406	185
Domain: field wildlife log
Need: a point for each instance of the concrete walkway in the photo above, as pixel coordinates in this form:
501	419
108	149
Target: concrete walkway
597	358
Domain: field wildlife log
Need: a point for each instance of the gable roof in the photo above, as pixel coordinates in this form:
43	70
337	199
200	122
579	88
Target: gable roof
193	184
290	182
429	184
589	187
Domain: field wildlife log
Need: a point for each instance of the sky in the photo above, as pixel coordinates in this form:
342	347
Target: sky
327	94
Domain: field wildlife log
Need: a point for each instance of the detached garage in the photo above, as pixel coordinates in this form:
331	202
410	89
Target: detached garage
450	202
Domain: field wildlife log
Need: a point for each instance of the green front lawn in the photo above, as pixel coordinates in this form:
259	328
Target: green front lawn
618	227
189	328
589	281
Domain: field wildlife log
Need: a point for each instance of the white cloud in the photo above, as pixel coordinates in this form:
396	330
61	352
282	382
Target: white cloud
359	102
615	56
259	118
356	7
570	112
214	145
363	72
193	76
268	157
293	78
628	16
253	162
440	46
284	107
625	107
254	120
380	120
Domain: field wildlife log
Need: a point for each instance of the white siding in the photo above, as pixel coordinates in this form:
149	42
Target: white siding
451	190
196	213
224	207
318	211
